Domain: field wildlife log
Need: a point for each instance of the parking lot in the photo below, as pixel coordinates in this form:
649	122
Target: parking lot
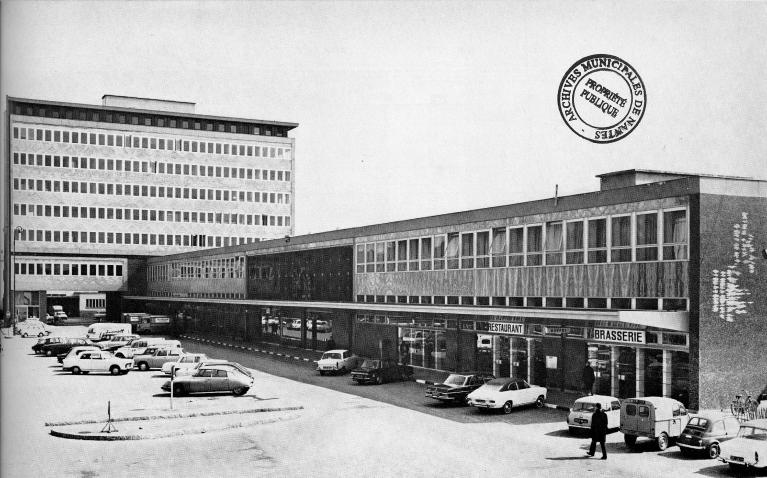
386	430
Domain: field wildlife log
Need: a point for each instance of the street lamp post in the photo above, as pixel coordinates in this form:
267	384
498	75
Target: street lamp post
12	303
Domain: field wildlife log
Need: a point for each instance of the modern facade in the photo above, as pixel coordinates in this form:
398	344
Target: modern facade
95	189
656	279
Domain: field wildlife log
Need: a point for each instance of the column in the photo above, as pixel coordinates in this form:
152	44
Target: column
494	353
640	372
667	374
614	377
530	360
511	356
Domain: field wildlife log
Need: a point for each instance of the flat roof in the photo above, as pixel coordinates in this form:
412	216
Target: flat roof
288	125
673	173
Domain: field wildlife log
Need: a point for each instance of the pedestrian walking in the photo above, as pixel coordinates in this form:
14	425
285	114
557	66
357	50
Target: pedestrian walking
588	379
598	430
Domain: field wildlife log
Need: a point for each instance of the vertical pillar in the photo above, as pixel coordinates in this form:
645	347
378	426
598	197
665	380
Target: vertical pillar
530	361
511	356
667	375
614	378
640	372
494	341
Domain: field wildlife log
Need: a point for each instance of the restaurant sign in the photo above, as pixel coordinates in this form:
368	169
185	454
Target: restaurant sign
618	335
506	328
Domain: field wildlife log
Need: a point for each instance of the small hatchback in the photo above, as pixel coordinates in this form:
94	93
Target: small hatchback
580	414
704	434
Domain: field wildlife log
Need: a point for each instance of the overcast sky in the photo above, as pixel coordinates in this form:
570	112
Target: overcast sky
408	109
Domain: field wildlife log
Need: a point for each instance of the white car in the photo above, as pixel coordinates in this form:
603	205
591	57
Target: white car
579	417
322	326
31	328
337	361
749	448
186	361
117	341
506	393
97	361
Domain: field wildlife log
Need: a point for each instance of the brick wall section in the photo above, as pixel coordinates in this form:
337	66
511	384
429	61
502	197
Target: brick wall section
731	345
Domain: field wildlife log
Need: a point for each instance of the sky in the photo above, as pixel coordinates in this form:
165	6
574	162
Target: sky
410	109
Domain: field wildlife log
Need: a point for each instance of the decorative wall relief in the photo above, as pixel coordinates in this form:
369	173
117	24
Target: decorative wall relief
729	297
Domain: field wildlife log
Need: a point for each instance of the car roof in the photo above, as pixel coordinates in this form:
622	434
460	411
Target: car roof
338	351
596	398
656	401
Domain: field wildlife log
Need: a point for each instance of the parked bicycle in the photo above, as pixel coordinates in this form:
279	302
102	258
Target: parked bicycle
743	408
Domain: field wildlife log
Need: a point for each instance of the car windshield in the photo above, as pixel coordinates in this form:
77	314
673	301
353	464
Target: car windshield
454	379
329	355
753	433
583	407
495	384
371	363
698	422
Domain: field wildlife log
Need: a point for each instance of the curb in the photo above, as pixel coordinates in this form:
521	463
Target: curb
153	436
251	349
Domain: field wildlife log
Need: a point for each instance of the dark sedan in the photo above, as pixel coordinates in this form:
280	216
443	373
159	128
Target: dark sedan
66	344
379	371
38	347
457	386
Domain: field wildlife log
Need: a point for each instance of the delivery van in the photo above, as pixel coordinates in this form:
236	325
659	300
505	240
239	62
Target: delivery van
658	418
97	331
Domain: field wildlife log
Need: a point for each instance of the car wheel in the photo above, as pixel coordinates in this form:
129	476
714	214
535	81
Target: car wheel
143	366
178	389
630	440
76	370
343	371
25	335
662	441
40	334
379	380
507	407
114	370
48	353
540	401
240	391
713	450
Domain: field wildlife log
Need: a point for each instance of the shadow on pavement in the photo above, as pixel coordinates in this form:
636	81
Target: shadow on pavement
560	458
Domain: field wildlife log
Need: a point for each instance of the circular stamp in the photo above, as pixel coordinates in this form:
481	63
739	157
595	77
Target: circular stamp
602	98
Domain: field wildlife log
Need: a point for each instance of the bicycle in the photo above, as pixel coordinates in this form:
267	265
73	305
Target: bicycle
743	408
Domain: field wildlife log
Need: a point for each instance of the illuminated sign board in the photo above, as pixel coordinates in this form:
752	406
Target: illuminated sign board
506	328
618	335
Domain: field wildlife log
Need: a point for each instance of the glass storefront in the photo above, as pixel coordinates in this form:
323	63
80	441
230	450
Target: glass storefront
422	348
626	368
680	377
599	357
653	376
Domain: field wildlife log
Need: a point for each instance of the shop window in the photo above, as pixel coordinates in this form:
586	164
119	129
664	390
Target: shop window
574	302
674	304
647	304
534	245
391	256
574	243
453	248
467	250
623	303
597	303
554	243
516	246
647	237
675	235
516	302
535	301
426	250
553	302
620	247
499	301
413	260
439	252
452	300
425	299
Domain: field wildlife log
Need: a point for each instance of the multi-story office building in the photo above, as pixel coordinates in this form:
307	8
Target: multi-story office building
657	279
93	189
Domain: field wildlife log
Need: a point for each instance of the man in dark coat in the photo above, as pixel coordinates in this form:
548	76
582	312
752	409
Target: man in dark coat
598	430
588	379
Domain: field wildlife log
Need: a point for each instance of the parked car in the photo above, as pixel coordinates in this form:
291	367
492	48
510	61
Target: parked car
138	346
97	361
117	341
658	418
506	393
218	362
379	371
31	328
211	378
155	357
64	346
580	414
294	324
60	316
703	434
77	351
323	326
748	448
185	361
457	386
38	347
337	361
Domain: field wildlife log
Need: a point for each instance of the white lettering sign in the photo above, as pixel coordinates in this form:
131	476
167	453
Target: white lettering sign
506	328
618	335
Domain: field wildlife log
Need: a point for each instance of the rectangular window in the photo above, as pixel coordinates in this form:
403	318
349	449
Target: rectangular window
482	250
574	242
534	245
413	259
597	234
554	243
426	253
360	258
453	250
647	237
499	247
439	252
516	246
620	243
402	255
674	235
380	257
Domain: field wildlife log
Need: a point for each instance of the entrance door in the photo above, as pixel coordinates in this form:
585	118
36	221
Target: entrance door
539	363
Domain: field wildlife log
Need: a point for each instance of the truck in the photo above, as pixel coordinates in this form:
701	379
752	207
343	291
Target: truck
97	331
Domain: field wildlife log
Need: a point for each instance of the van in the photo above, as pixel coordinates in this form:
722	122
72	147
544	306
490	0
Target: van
138	346
96	331
657	418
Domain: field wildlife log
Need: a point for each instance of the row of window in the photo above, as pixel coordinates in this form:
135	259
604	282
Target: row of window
623	303
224	268
199	295
95	303
121	140
139	190
134	166
645	236
133	238
128	214
67	269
